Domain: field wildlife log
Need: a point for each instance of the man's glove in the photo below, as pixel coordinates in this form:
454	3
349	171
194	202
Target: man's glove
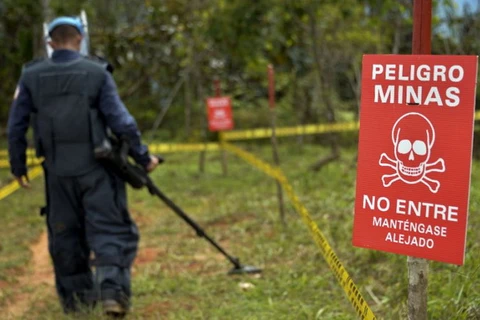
154	161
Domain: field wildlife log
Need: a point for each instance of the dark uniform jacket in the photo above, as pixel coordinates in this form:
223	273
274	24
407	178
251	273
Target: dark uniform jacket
61	92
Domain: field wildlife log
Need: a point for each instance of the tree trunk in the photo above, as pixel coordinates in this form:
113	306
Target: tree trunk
397	37
188	106
47	12
355	80
324	72
201	103
297	105
166	106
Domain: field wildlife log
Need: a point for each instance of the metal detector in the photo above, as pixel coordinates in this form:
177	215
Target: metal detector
117	160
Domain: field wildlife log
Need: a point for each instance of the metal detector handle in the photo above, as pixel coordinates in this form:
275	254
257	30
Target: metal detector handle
133	174
125	148
160	158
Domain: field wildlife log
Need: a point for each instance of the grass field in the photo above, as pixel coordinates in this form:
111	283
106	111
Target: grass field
180	276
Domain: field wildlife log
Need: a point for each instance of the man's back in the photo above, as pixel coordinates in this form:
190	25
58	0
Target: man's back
106	105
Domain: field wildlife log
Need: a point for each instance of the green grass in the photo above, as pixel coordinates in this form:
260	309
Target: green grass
180	276
5	176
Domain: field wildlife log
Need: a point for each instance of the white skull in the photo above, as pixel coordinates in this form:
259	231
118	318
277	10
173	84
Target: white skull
413	136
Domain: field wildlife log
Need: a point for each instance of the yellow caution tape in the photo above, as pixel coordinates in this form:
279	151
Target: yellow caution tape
166	147
290	131
297	130
249	135
14	186
156	147
153	148
30	152
352	291
30	162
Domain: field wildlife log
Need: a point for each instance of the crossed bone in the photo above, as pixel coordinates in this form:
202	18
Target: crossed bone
388	179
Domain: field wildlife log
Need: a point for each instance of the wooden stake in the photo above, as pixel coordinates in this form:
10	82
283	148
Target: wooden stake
201	99
418	268
218	93
276	157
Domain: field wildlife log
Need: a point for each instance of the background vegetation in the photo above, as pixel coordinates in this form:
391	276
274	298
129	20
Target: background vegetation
172	50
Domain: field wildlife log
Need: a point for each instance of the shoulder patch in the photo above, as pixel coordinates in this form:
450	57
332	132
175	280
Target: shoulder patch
17	92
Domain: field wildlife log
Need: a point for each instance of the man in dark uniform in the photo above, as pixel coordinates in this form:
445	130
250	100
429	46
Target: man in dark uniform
86	203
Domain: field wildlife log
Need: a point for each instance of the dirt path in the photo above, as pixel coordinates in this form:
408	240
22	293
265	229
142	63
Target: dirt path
37	282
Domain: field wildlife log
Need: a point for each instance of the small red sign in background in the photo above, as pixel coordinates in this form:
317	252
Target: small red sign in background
219	114
414	158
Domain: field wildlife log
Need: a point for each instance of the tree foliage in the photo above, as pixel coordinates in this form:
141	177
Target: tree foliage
167	53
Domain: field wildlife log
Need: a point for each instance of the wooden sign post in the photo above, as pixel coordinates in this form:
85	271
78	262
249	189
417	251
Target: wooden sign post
418	267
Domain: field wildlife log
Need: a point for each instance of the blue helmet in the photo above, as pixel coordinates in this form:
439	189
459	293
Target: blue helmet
70	21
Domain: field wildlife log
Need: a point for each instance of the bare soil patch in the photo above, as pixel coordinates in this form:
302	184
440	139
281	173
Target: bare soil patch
37	280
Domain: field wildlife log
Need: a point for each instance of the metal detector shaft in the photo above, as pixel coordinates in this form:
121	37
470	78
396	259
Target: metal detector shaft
115	157
154	190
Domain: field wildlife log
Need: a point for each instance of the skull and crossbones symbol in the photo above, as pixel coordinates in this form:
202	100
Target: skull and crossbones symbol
413	137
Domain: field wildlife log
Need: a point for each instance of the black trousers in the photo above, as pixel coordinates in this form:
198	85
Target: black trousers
88	214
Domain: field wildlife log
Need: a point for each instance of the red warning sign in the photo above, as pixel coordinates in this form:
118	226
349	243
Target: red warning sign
219	114
414	157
